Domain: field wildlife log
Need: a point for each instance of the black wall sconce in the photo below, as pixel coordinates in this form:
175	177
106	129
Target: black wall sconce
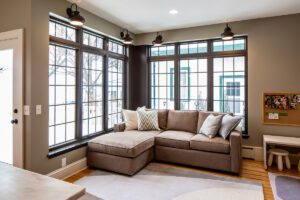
126	37
227	34
158	40
74	16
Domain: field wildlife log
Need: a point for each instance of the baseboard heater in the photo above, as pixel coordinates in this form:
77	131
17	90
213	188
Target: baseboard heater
255	153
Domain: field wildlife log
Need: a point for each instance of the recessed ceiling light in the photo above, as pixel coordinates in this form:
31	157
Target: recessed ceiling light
173	12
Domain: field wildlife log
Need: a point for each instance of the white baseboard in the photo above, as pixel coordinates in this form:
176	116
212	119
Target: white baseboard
256	153
69	170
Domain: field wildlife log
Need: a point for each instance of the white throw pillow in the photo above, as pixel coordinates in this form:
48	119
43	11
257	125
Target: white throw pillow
147	120
229	123
130	119
211	125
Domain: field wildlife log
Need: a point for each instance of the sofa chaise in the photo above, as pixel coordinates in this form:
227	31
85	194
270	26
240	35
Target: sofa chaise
177	142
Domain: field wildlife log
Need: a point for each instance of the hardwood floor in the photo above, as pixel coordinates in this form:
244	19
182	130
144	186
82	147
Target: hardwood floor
251	170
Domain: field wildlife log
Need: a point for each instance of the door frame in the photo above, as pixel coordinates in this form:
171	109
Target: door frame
15	40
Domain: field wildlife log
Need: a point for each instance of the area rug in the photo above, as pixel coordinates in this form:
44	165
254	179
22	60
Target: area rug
163	182
285	187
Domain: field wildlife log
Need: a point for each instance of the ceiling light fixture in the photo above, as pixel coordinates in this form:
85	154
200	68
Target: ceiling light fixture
173	12
126	37
158	40
227	34
74	16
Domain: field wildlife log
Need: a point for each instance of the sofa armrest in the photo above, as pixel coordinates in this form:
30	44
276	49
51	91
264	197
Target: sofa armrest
235	150
119	127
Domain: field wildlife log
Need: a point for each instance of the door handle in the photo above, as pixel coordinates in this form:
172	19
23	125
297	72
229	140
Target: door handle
14	121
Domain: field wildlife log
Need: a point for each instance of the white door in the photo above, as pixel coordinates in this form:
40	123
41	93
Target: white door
11	98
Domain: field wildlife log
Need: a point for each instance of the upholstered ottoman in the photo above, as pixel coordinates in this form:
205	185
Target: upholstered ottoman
122	152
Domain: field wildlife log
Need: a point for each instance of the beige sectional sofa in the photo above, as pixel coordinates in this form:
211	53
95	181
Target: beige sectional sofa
177	142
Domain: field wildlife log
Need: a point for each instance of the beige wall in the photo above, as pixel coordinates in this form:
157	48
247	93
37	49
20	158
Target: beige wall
273	63
33	16
273	66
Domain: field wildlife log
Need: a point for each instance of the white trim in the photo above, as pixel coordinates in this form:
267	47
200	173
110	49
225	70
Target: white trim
69	170
14	40
252	152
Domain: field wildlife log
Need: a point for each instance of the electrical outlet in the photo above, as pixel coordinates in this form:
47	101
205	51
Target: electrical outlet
63	162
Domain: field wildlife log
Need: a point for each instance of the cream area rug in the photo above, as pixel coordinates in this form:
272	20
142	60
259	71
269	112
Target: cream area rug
167	182
285	187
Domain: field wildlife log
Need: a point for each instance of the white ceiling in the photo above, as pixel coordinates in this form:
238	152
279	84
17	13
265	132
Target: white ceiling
140	16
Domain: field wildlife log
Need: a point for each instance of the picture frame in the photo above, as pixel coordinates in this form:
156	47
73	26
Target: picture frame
281	108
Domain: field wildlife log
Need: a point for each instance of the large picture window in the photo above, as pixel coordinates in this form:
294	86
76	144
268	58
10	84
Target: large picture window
208	75
92	98
162	84
115	91
229	85
78	67
193	84
62	100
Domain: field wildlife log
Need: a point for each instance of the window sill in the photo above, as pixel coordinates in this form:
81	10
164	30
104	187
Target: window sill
245	136
54	152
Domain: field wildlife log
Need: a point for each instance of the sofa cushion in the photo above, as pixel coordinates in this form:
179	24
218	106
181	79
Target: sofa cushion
216	144
203	115
175	139
183	121
162	118
126	144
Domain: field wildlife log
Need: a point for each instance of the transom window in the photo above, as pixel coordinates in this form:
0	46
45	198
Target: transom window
193	47
115	47
230	45
77	71
62	30
92	40
163	50
209	75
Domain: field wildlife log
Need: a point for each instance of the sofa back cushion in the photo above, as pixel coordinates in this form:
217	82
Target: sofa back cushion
183	121
204	114
162	118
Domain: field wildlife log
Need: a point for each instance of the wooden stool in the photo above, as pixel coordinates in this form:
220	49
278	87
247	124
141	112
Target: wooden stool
279	153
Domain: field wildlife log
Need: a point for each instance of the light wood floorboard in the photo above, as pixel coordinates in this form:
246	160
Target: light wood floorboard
251	170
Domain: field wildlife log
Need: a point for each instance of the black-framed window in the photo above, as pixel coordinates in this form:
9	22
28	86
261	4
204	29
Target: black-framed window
115	47
162	84
193	47
162	50
193	84
210	75
236	44
62	98
92	97
229	85
115	91
82	73
62	30
93	40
